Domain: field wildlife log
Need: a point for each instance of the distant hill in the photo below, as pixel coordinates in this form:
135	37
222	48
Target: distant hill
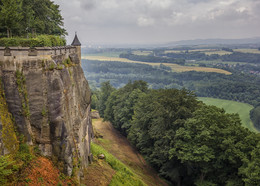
255	40
244	43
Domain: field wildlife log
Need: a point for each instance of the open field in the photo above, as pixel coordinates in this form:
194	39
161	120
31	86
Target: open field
242	109
206	51
142	53
174	51
219	52
106	54
174	67
214	62
246	50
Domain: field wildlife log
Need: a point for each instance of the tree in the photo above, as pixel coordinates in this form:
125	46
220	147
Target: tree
255	116
213	144
157	116
251	168
20	17
120	105
106	89
11	15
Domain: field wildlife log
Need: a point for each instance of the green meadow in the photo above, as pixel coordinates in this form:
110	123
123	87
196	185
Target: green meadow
243	109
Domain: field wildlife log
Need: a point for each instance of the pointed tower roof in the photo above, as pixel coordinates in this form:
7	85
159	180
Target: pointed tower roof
76	41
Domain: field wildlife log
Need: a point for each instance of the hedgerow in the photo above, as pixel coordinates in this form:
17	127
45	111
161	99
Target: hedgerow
39	41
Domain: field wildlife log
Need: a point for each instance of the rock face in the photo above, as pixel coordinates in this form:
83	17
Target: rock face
50	103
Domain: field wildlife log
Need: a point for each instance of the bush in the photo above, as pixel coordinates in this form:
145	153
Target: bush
5	169
39	41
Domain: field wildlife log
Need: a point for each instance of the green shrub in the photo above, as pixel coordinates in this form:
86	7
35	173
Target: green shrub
59	67
51	67
39	41
67	62
5	169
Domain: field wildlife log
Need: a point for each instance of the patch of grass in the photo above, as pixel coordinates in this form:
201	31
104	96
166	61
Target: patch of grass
124	176
243	109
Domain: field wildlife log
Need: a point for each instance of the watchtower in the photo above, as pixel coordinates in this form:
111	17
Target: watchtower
77	44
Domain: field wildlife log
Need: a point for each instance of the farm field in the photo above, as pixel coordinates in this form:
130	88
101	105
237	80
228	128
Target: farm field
242	109
219	52
142	53
246	50
174	67
206	51
106	54
214	62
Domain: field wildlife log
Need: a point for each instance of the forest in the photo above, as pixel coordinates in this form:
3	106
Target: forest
186	141
160	56
238	86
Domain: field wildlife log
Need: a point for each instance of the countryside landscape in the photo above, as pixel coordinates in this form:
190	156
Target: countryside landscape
130	93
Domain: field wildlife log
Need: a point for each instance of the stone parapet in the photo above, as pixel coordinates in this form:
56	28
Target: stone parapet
20	53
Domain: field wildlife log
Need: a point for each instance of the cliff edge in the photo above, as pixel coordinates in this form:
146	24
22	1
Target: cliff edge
45	97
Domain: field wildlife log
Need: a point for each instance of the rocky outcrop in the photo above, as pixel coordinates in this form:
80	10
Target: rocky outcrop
50	103
95	114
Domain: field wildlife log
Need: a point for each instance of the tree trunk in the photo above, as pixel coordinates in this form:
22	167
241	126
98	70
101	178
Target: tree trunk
8	32
202	177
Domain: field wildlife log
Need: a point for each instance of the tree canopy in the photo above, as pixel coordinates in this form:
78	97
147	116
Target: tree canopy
24	17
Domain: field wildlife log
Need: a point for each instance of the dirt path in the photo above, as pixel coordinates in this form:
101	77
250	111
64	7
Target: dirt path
119	146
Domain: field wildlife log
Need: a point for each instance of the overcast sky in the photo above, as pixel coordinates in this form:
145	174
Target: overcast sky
159	21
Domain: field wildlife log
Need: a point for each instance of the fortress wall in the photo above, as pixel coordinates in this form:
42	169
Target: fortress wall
37	53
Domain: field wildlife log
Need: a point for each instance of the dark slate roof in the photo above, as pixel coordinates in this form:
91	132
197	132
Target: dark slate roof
76	41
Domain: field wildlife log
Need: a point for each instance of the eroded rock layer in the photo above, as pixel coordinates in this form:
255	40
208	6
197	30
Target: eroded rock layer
50	103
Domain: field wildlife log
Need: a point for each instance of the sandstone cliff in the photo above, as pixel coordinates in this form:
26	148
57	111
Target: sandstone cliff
47	100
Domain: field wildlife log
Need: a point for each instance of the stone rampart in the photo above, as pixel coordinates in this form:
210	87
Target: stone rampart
21	53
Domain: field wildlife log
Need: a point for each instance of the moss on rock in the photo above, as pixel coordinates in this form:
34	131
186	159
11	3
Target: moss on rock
8	130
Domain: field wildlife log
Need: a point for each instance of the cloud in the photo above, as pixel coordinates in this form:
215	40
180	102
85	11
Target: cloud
187	19
89	4
145	21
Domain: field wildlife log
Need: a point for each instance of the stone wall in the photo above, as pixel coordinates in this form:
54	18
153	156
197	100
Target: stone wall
21	53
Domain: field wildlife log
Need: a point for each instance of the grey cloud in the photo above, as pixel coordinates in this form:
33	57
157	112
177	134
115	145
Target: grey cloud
89	4
118	21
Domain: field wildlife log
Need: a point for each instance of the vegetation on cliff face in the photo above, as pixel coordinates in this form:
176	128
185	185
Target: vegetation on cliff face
8	130
21	17
186	141
20	81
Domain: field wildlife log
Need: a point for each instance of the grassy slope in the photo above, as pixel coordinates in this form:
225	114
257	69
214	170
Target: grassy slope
123	164
242	109
123	175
